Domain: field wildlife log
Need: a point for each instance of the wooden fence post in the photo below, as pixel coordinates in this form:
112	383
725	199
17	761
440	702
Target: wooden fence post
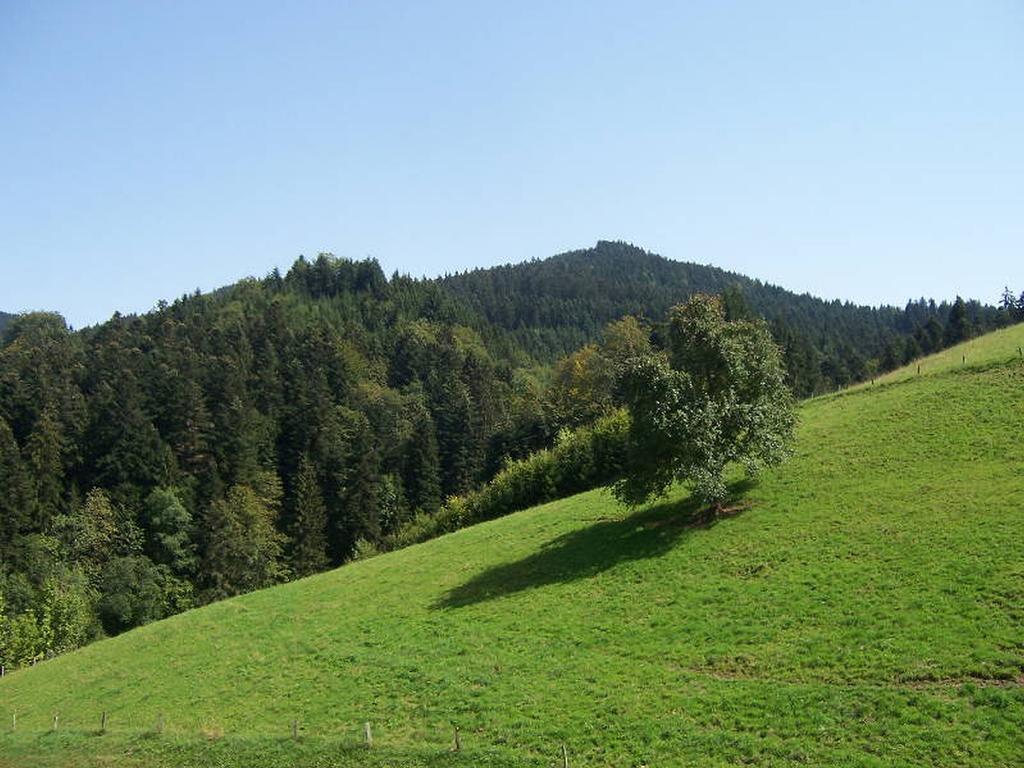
103	722
14	721
56	720
458	740
565	757
368	734
295	729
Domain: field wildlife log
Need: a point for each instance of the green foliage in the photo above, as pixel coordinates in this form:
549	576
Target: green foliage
16	498
309	523
168	526
865	611
66	618
554	306
62	619
97	531
135	591
580	459
398	393
421	468
715	396
581	390
243	549
958	327
45	451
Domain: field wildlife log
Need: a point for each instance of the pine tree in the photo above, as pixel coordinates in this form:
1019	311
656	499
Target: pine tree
932	335
45	450
421	477
958	326
16	497
452	409
309	523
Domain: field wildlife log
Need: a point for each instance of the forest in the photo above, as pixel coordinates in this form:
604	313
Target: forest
280	426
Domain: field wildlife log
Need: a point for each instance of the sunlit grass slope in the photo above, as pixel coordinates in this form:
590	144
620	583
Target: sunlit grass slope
868	609
993	348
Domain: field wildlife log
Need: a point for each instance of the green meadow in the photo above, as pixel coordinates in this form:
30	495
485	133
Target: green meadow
866	609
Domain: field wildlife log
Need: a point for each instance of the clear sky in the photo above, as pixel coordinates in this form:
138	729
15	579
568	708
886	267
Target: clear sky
864	150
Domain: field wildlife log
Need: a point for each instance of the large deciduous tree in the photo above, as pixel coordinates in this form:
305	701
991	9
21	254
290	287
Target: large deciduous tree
715	395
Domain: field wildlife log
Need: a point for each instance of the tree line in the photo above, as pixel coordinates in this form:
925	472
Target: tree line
274	428
555	306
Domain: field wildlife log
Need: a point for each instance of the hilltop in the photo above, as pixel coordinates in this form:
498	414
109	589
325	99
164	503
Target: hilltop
864	611
573	295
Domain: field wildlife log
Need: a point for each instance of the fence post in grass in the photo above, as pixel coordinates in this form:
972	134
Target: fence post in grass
295	730
565	757
367	734
458	740
3	670
964	359
14	721
103	722
918	369
56	720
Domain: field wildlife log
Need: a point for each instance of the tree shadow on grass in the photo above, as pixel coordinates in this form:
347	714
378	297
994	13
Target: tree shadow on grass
580	554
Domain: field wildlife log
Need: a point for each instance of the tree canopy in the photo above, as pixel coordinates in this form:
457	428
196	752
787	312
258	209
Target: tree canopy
714	395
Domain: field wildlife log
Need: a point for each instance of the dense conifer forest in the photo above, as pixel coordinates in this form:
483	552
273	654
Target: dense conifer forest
276	427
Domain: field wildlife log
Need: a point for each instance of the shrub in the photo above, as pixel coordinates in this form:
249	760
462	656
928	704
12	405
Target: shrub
581	459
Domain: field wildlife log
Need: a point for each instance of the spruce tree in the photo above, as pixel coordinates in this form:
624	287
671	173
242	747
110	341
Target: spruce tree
45	450
16	497
309	523
421	477
958	326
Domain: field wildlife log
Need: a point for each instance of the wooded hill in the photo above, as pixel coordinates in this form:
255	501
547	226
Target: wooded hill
554	306
865	610
225	442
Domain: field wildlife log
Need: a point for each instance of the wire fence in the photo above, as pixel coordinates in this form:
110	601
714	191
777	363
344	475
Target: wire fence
293	730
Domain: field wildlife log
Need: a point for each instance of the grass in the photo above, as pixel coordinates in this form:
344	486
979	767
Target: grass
867	610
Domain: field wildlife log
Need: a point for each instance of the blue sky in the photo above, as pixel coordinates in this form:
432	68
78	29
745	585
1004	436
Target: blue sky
861	150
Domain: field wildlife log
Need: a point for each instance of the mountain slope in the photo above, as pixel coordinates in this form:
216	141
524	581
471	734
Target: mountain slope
5	318
572	296
865	611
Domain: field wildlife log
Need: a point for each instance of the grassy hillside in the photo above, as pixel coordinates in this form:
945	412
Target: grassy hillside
867	610
994	348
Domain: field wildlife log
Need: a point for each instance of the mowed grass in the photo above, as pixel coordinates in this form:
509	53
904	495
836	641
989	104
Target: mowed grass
994	348
866	610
